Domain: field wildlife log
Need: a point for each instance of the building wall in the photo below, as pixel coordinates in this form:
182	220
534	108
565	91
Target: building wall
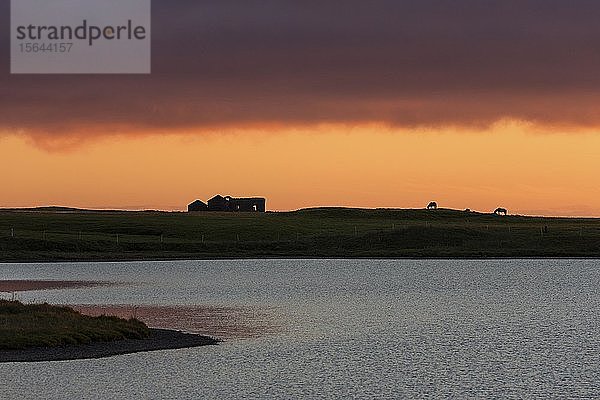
249	205
197	206
253	204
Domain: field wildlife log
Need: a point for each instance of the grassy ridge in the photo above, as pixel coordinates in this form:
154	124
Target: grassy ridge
323	232
43	325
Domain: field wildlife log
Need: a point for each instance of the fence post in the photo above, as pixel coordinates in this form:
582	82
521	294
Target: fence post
117	238
12	232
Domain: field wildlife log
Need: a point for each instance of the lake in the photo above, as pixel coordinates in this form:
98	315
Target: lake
339	329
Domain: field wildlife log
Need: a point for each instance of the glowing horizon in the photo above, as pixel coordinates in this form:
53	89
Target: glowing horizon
511	164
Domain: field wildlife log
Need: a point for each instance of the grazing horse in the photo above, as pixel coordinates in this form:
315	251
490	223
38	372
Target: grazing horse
432	206
501	211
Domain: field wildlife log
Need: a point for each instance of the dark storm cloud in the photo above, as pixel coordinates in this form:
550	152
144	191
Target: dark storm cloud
408	63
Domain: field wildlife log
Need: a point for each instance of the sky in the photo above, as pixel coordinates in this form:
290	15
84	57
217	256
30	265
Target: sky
474	104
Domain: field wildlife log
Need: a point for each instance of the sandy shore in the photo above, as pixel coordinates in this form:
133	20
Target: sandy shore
10	286
160	339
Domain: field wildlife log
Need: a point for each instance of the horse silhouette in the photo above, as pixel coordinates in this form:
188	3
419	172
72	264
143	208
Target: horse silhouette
432	206
501	211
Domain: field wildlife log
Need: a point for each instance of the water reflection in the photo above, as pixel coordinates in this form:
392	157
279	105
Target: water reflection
219	322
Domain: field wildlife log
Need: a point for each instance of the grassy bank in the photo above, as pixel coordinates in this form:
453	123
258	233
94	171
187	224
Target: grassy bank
331	232
23	326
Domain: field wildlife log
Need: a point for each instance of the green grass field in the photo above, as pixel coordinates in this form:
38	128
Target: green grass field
43	325
325	232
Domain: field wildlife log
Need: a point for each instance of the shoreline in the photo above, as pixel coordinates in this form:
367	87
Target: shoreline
26	285
160	339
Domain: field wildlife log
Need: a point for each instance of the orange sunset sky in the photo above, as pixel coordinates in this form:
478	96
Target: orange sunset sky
389	103
509	164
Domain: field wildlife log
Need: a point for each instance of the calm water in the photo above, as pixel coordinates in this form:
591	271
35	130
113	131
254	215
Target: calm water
361	329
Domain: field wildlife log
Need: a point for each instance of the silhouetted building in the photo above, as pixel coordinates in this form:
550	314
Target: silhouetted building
249	204
197	206
231	204
219	203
